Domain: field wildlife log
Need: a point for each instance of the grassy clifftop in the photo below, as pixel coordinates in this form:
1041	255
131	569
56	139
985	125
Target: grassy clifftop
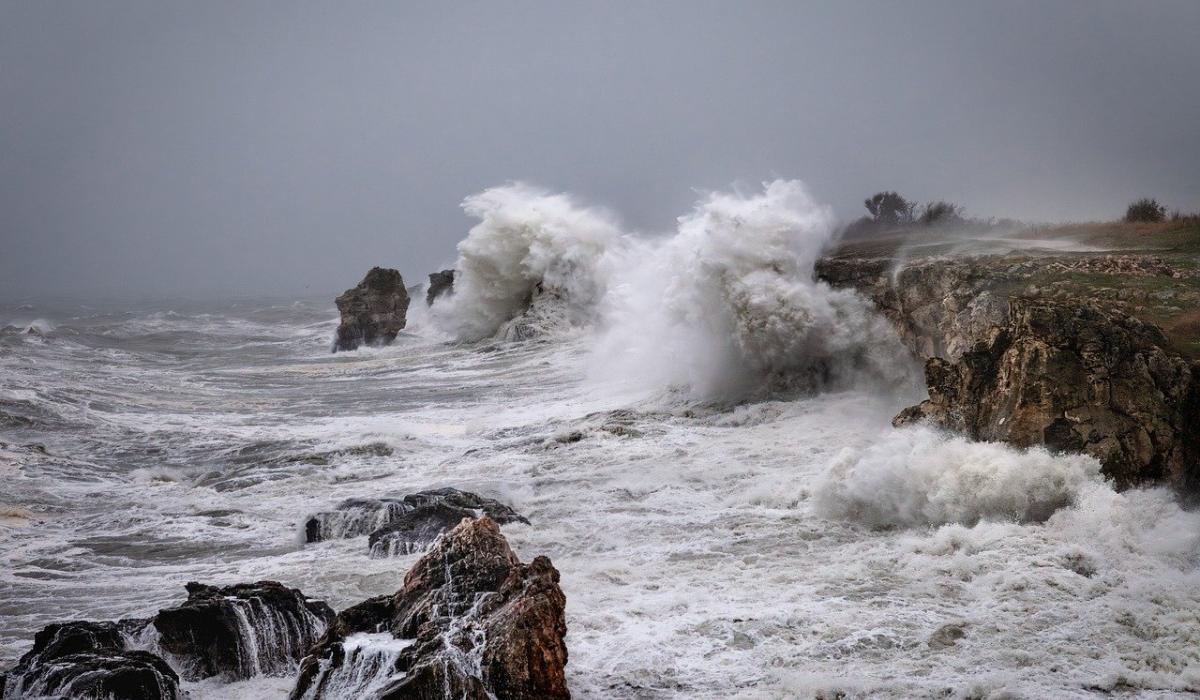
1149	271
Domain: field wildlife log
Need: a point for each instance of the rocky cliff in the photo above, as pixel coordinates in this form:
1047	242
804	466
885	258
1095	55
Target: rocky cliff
1053	350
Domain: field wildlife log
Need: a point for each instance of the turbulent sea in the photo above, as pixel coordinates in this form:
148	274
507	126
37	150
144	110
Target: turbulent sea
715	538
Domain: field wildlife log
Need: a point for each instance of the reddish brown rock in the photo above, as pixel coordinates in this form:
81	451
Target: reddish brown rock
471	621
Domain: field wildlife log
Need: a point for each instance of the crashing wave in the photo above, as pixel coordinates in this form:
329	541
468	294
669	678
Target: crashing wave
730	303
532	251
918	476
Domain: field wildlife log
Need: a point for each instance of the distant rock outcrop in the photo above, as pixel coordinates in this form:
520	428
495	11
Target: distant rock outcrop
407	524
241	631
89	660
471	622
1072	377
373	312
439	283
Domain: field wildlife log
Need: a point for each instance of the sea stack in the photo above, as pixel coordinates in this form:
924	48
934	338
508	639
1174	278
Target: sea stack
439	283
373	312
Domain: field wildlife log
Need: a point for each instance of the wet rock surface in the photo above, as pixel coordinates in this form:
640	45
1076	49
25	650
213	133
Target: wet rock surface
241	631
1047	350
471	621
402	525
939	308
1074	378
90	660
374	312
439	283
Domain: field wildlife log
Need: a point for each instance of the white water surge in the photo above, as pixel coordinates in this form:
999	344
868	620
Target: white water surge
756	543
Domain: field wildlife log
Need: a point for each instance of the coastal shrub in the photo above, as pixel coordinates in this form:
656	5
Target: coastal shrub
1145	210
937	213
890	209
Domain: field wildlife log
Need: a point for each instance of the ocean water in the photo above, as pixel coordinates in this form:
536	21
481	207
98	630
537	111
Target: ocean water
723	493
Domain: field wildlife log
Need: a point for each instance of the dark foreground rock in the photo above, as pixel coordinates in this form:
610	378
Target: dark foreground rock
406	524
439	283
471	622
1074	378
373	312
90	660
241	631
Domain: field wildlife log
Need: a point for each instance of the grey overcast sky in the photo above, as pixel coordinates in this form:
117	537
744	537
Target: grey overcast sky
234	148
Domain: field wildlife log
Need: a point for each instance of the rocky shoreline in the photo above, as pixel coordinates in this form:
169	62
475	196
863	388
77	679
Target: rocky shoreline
470	617
1060	351
1016	350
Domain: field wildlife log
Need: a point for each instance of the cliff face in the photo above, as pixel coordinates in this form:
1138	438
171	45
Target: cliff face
1008	360
939	307
1074	378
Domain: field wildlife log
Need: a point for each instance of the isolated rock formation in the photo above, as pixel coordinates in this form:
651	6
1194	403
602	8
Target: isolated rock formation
89	660
471	622
373	312
1075	378
406	524
439	283
241	631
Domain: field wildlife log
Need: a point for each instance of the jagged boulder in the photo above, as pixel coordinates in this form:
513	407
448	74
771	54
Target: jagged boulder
90	660
1076	378
471	622
373	312
406	524
439	283
241	631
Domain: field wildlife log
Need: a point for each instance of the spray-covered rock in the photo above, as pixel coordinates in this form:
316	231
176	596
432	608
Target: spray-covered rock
241	631
530	251
939	307
90	660
439	283
1074	378
401	525
471	621
373	312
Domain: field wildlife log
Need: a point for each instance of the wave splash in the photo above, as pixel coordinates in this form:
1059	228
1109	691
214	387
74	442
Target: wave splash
918	476
726	305
536	261
730	303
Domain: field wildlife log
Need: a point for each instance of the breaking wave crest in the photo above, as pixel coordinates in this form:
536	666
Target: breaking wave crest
730	303
535	261
918	476
726	305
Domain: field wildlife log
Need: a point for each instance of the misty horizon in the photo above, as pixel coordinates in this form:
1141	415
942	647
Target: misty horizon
230	150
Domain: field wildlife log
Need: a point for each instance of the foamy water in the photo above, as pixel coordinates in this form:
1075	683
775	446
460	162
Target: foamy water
773	544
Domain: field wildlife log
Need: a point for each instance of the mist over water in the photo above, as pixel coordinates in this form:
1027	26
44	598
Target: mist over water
698	431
